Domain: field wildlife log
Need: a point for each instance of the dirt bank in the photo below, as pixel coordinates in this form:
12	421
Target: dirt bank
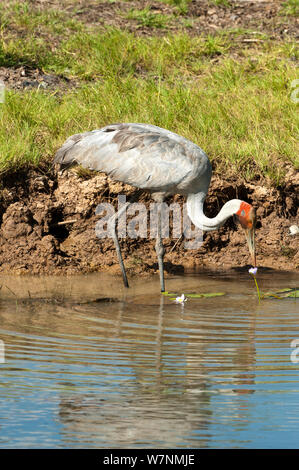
34	237
198	16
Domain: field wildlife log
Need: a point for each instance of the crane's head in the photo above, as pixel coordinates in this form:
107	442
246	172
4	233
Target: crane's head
247	218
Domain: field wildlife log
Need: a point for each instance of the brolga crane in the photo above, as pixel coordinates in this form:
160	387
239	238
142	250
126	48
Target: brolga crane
160	162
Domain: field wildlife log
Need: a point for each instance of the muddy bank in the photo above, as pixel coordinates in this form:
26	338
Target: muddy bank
48	227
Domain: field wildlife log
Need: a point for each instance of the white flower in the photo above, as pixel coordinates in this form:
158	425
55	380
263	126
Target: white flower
253	271
181	300
294	229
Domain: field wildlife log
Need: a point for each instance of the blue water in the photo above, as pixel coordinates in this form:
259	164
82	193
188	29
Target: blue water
145	372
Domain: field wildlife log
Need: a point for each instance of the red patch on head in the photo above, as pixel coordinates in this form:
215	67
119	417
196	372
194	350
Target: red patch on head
244	214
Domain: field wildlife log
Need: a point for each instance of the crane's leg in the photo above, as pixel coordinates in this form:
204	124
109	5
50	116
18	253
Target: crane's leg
159	247
112	230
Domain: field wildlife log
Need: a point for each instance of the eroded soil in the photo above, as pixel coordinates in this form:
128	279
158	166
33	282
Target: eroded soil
48	226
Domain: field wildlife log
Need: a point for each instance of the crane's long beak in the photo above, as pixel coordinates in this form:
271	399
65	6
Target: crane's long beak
247	218
250	237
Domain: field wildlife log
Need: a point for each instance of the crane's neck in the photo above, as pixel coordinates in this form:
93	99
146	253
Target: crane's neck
195	204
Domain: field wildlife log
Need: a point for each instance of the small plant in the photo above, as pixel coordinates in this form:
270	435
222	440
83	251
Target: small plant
213	46
287	293
253	271
180	5
288	251
290	8
224	3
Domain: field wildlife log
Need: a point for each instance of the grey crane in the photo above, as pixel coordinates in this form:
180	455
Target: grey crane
160	162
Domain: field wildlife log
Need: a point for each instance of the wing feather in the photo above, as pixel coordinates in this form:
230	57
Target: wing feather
141	155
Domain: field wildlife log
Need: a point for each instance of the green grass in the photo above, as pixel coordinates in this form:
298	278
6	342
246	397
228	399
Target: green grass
224	3
290	8
180	5
236	107
242	117
24	18
88	56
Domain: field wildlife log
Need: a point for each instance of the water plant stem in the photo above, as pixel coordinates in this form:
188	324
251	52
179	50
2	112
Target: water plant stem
257	288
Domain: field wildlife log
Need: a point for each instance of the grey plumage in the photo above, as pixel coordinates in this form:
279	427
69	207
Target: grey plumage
142	155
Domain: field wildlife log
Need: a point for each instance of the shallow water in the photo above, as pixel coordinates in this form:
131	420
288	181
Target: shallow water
141	371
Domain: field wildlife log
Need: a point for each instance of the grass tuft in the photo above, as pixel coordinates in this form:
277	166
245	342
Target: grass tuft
148	18
290	8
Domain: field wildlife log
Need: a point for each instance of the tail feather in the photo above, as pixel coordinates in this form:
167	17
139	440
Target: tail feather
64	156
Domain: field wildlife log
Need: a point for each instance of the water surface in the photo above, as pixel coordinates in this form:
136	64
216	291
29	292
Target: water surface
140	371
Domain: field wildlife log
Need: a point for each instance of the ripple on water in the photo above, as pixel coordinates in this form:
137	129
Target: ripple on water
145	372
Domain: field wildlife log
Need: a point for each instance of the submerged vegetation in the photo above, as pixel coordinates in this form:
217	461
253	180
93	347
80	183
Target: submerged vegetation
228	91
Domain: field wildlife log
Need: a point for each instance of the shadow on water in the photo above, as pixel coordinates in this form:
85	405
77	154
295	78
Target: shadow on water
88	364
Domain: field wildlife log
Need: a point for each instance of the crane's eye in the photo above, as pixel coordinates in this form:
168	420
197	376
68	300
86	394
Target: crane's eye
242	213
